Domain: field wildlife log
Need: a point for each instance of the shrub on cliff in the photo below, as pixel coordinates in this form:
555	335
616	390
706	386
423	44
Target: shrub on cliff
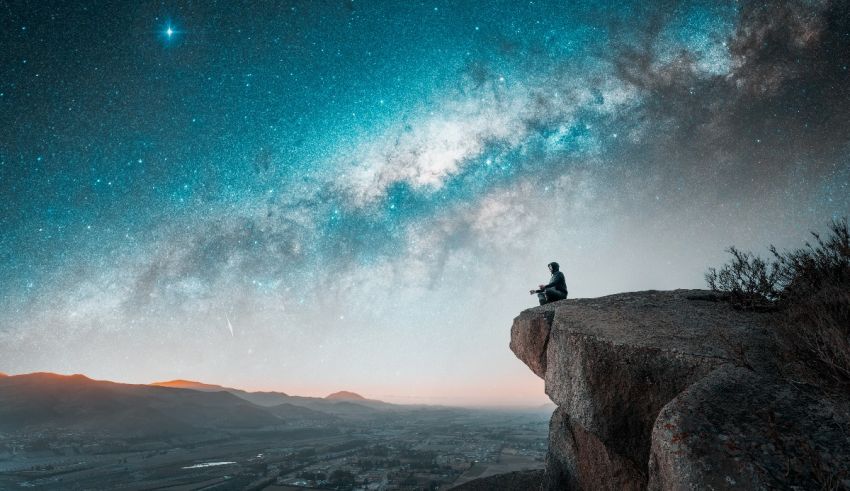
810	287
747	281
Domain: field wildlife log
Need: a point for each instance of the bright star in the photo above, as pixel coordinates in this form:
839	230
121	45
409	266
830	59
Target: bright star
170	32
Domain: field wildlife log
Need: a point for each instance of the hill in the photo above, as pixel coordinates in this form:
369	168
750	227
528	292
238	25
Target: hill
345	395
355	405
292	412
190	384
75	403
259	398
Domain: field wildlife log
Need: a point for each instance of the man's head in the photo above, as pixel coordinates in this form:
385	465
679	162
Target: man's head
553	266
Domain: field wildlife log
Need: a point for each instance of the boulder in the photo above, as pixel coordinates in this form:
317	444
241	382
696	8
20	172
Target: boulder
577	459
530	335
612	364
737	429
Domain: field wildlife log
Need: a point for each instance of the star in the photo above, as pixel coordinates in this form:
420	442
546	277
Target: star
170	32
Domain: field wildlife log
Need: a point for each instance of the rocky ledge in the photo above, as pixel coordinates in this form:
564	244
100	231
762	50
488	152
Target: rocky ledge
675	390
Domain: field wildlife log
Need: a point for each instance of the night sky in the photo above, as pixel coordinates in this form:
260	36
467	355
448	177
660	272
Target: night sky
313	196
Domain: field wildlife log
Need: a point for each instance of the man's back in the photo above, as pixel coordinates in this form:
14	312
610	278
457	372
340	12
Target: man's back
558	281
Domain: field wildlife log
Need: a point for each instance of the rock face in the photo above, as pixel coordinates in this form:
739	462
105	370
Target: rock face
529	337
634	376
738	429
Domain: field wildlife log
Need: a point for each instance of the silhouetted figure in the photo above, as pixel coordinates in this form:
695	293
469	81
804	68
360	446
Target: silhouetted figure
556	289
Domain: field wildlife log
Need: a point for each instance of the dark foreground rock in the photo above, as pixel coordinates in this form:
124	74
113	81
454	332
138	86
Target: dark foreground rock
510	481
738	429
634	376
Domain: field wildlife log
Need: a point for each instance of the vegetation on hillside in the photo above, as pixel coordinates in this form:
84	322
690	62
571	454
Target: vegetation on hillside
810	288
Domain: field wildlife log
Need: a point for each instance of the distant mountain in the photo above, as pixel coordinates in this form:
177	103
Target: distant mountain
348	409
3	375
344	395
345	408
292	412
41	401
190	384
329	404
267	399
76	404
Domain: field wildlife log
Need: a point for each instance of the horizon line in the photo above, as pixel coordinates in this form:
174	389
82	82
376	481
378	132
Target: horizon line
469	405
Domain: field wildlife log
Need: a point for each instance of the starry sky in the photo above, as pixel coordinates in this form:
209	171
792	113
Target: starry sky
310	196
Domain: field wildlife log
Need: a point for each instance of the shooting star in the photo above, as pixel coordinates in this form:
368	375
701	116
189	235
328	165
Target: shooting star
229	325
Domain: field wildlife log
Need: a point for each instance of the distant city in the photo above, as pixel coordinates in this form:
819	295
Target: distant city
71	432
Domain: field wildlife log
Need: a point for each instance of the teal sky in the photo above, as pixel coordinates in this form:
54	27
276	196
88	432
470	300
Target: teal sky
365	191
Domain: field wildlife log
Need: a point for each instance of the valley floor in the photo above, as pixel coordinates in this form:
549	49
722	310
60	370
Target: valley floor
428	452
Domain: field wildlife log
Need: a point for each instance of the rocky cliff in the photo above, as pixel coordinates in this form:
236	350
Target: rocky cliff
674	390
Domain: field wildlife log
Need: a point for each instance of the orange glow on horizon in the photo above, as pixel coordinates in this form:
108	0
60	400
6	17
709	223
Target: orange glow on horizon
518	391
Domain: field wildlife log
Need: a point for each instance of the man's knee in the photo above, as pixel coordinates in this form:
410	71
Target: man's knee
552	294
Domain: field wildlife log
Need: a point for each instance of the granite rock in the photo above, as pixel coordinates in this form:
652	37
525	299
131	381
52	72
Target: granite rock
619	366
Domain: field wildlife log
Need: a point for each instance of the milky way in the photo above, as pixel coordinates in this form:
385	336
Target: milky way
312	196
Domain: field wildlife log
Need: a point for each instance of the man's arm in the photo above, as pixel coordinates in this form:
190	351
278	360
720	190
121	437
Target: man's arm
555	277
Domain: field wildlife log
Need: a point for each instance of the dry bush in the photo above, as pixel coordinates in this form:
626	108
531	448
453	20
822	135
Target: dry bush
815	336
811	288
747	281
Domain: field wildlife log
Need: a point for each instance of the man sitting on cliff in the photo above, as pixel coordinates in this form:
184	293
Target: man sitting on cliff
556	289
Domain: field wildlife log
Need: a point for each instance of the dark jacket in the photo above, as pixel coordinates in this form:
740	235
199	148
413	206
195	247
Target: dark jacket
557	281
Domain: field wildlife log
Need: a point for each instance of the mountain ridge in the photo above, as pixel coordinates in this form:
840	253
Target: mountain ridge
195	385
78	404
44	400
329	403
344	395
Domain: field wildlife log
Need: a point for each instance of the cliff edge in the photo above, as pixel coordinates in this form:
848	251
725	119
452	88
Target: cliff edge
675	390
